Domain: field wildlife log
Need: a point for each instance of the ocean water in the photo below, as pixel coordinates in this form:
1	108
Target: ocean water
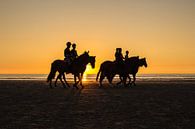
92	77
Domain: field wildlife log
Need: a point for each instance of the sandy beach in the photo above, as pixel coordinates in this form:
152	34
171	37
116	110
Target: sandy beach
30	104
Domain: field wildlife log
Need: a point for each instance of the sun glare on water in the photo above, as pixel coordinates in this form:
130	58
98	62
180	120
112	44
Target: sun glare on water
87	71
84	78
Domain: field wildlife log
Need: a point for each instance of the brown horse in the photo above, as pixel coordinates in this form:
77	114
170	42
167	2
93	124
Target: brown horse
77	68
131	66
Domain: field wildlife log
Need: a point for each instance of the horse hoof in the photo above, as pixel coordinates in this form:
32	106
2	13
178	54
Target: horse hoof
75	86
129	84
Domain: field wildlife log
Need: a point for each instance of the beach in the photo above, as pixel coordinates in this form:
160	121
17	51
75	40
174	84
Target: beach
31	104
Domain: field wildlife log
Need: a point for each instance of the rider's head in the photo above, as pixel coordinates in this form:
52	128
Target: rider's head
127	52
73	45
119	50
68	44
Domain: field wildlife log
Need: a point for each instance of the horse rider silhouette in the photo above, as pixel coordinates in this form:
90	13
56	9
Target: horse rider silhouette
73	52
119	58
127	55
67	53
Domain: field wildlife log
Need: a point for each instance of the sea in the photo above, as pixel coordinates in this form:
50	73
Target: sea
92	77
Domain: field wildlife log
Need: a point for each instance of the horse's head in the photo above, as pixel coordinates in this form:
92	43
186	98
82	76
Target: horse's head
92	61
143	62
86	53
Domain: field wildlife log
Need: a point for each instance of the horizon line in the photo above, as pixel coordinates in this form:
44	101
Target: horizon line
86	74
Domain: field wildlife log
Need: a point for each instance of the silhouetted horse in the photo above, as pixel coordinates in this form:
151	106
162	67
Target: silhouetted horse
109	69
77	68
132	65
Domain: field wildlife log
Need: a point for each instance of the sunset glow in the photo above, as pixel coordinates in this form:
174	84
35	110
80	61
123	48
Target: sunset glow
87	71
34	33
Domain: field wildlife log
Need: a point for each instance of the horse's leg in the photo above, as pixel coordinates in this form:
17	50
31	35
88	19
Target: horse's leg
121	80
129	77
124	80
64	85
56	80
59	77
102	76
65	81
75	81
134	79
110	80
81	78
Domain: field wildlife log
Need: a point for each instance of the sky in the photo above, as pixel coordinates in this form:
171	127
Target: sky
33	33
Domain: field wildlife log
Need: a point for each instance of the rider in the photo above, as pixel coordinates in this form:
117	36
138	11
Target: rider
118	55
127	55
67	53
119	59
120	64
73	52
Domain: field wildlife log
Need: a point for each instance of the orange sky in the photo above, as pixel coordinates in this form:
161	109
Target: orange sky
34	32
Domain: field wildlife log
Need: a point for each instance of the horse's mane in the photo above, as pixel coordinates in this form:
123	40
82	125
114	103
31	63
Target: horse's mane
84	54
81	56
133	58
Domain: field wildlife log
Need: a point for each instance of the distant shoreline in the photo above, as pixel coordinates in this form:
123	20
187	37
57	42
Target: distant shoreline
91	77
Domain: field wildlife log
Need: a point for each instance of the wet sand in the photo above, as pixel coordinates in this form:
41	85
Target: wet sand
149	105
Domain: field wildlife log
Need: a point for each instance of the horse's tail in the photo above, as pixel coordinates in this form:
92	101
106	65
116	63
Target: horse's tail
98	73
52	73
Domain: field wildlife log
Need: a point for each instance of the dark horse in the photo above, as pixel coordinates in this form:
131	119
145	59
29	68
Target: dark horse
77	68
131	66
